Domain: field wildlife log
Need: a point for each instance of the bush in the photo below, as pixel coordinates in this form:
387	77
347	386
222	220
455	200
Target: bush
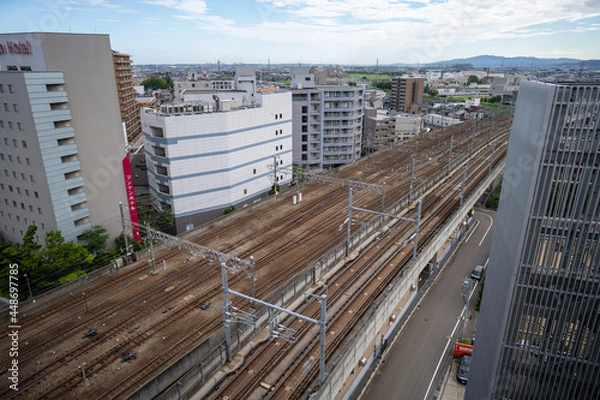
71	277
229	210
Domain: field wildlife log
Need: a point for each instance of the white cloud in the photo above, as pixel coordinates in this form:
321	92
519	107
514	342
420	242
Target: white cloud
419	30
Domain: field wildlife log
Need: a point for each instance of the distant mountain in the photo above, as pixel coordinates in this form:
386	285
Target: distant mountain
517	62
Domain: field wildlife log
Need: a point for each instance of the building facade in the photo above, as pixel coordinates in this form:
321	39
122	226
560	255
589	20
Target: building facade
130	112
539	326
61	139
217	150
327	122
405	92
212	85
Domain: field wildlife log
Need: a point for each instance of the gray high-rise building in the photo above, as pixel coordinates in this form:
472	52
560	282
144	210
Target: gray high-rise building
62	146
539	326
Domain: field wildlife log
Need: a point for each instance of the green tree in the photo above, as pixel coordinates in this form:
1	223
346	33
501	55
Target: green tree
382	84
158	219
44	266
120	243
155	83
473	79
169	81
66	257
95	240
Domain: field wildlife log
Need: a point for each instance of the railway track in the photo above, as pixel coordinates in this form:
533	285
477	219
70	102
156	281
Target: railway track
257	374
313	226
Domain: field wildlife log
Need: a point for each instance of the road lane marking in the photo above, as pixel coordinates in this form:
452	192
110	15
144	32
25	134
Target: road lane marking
473	230
488	229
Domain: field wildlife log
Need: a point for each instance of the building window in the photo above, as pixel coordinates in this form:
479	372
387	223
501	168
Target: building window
78	206
81	221
69	158
30	208
26	192
27	161
10	157
72	175
1	157
1	124
24	143
156	131
10	88
304	109
39	210
159	151
56	87
6	107
32	178
15	107
1	88
10	125
254	171
62	124
36	195
15	143
63	142
163	189
70	192
161	170
10	188
20	126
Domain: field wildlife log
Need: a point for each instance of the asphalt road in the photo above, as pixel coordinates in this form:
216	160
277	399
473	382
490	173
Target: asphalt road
408	367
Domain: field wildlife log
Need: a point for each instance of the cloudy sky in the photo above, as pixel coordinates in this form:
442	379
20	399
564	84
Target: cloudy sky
354	32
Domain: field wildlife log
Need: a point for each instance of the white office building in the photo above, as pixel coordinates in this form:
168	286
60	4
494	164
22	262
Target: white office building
217	150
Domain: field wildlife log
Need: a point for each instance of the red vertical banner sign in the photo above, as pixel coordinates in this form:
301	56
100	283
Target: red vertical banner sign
131	203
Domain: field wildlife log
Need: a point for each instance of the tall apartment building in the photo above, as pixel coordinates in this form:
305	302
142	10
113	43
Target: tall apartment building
130	112
538	335
61	140
217	149
405	92
327	122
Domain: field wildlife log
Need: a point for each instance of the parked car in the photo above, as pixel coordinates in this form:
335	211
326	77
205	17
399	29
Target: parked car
462	373
477	273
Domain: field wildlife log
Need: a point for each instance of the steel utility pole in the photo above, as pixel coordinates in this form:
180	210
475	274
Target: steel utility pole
124	229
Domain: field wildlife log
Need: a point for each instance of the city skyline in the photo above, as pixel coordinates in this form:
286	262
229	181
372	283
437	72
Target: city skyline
320	31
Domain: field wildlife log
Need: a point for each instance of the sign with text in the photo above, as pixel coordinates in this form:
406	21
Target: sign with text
131	203
11	47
